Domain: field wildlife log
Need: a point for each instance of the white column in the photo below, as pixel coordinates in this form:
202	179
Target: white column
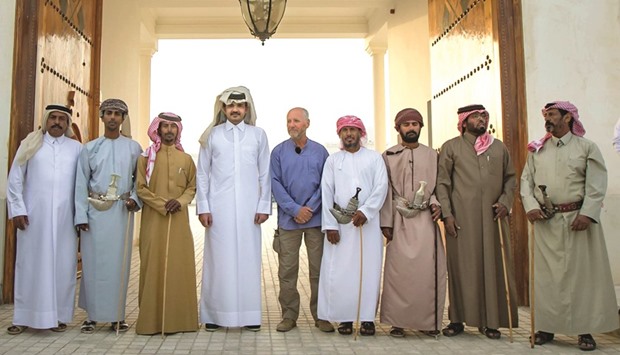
377	52
144	96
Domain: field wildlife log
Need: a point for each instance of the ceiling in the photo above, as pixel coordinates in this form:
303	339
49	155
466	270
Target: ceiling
222	18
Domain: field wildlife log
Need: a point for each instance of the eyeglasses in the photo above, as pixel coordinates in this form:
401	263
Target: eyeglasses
297	150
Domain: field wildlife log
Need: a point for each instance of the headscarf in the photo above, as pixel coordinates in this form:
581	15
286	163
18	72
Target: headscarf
151	151
119	105
237	94
483	141
34	140
351	121
577	129
408	114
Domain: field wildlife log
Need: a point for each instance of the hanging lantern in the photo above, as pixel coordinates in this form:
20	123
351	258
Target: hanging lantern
262	16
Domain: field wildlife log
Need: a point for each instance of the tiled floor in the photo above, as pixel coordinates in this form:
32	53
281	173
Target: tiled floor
305	339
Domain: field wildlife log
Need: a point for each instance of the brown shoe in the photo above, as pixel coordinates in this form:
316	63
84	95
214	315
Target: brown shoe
286	325
324	326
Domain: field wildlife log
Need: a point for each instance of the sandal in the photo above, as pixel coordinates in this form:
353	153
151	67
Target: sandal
16	329
586	342
541	337
430	333
88	327
453	329
397	332
490	333
122	326
60	328
367	328
345	328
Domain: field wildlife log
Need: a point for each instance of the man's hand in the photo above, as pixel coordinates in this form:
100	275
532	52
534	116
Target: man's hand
333	236
172	206
131	205
20	222
535	215
500	211
435	212
259	218
581	223
451	226
82	227
387	233
304	215
206	219
358	218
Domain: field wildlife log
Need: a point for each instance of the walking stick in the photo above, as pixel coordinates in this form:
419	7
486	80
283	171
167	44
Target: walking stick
124	264
532	323
435	226
501	243
359	296
163	312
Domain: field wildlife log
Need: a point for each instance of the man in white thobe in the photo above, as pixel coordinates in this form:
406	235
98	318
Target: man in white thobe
353	173
105	196
233	199
40	203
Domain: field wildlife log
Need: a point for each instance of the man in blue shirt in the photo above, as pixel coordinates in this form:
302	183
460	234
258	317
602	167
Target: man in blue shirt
296	168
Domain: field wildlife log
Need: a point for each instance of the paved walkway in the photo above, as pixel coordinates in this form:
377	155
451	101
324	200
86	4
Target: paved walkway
305	339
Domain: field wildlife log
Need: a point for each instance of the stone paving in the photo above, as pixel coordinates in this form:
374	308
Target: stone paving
305	339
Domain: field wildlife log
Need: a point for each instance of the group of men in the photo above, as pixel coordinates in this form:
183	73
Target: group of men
341	205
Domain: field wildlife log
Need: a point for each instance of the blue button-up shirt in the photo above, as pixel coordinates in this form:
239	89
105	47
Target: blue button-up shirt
296	182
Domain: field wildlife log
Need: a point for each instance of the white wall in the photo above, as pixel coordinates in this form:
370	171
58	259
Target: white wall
572	52
7	30
409	62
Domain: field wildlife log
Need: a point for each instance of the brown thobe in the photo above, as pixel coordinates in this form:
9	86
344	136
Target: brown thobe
414	279
573	283
467	187
174	177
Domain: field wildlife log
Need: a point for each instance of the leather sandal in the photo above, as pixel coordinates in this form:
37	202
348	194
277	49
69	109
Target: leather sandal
453	329
88	327
541	338
430	333
586	342
16	329
490	333
397	332
60	328
367	328
345	328
122	326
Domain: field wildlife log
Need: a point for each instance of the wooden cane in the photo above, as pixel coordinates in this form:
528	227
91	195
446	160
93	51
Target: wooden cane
359	296
435	226
163	312
124	264
532	323
501	243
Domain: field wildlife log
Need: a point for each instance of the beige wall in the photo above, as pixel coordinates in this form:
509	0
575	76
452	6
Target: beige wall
408	62
120	60
572	53
7	30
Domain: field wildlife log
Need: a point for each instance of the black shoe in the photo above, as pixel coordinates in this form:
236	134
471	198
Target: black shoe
210	327
252	328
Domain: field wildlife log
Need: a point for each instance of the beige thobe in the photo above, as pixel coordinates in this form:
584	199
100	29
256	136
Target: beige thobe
174	177
414	279
573	284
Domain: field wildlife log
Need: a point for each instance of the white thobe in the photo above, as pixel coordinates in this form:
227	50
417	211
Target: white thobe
339	283
233	185
46	260
106	246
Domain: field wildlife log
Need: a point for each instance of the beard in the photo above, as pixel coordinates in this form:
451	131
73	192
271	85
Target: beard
409	137
352	144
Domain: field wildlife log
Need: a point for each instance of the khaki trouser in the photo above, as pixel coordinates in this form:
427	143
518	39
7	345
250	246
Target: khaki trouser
287	246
